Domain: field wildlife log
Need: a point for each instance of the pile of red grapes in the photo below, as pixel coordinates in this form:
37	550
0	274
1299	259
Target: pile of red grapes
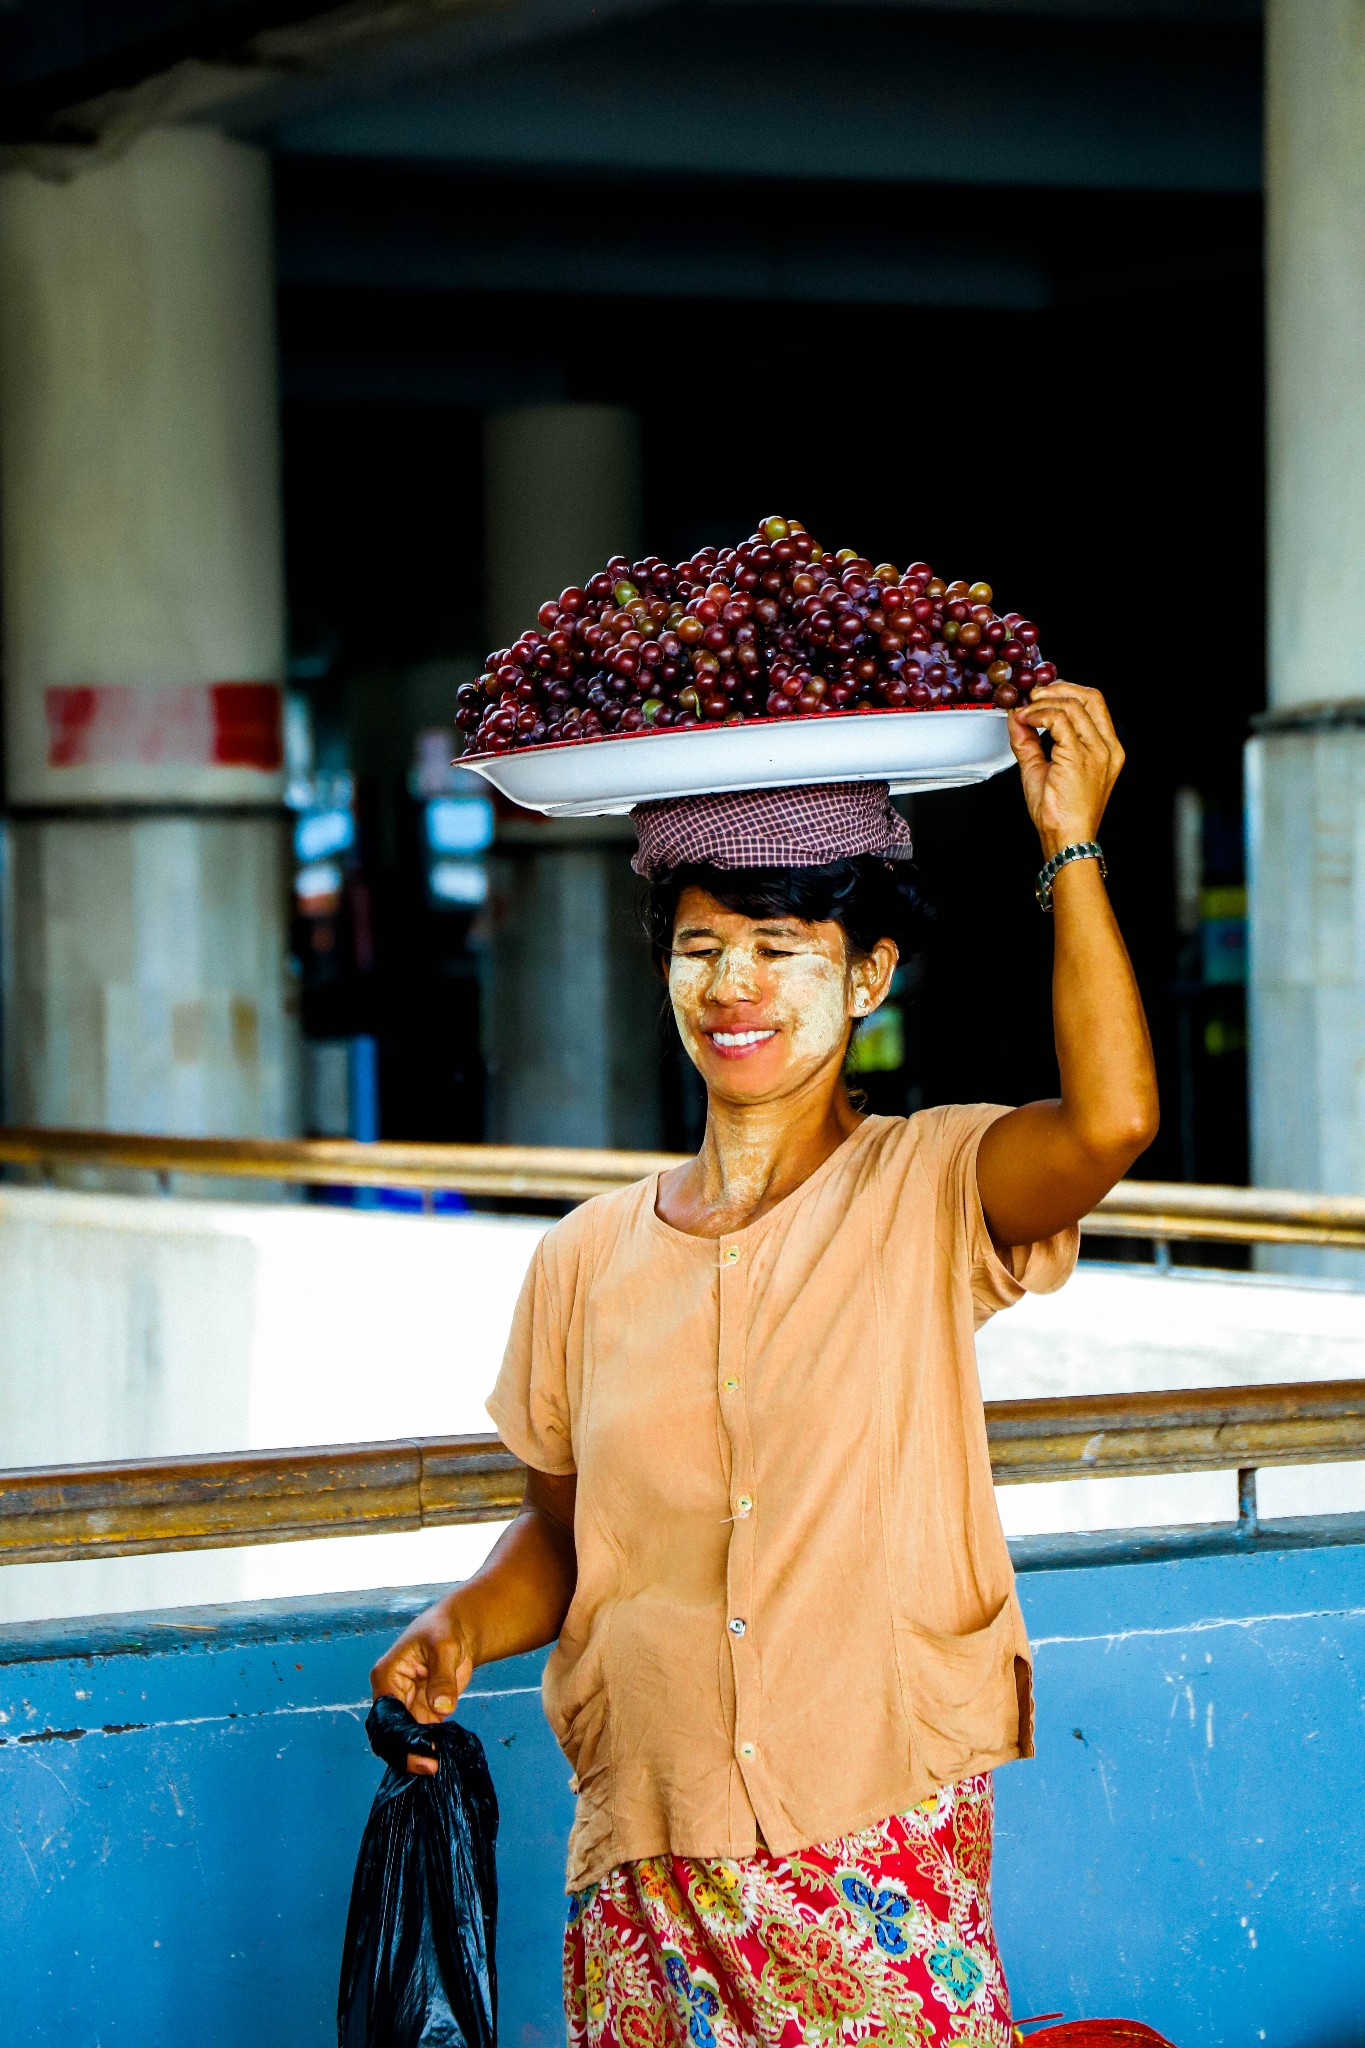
773	628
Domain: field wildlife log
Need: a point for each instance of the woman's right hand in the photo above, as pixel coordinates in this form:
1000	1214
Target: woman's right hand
427	1669
516	1601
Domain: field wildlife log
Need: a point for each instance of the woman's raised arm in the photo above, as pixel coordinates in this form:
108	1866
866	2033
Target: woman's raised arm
1045	1166
516	1601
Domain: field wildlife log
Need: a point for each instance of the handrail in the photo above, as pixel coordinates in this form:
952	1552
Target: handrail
202	1503
138	1505
1145	1209
1182	1209
536	1172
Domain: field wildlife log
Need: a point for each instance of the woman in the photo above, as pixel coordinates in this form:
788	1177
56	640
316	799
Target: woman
759	1516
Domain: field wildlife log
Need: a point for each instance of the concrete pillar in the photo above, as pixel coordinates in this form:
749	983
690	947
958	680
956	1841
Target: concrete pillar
574	1010
144	644
561	496
1306	763
570	1039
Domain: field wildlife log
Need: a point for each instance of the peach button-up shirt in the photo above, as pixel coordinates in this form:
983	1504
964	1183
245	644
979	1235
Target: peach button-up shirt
795	1608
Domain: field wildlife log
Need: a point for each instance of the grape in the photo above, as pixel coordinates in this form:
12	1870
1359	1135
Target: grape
775	627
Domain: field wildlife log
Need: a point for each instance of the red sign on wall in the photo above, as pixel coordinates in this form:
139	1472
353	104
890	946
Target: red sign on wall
210	725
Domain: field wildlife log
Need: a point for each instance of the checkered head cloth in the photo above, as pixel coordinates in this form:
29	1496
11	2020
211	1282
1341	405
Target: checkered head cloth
770	828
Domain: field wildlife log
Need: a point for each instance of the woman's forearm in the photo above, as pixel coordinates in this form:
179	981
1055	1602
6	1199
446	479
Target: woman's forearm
518	1598
1104	1050
516	1601
1046	1165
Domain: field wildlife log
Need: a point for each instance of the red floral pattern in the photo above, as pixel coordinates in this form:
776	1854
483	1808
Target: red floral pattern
881	1936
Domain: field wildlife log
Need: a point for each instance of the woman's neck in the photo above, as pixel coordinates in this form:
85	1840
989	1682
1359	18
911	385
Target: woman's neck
753	1156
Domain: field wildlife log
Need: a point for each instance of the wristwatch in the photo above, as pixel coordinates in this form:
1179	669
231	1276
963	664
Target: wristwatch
1086	849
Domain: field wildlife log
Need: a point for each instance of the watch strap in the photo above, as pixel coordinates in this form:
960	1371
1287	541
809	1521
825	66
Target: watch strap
1082	849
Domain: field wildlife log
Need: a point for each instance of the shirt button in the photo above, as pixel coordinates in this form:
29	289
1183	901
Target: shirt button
747	1750
731	1386
731	1254
737	1626
744	1505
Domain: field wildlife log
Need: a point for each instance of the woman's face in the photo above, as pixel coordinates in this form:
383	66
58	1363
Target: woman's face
764	1004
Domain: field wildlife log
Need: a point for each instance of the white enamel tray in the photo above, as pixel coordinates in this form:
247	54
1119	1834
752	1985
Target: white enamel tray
909	749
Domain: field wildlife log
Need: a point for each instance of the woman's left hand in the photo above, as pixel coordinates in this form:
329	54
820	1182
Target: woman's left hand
1066	795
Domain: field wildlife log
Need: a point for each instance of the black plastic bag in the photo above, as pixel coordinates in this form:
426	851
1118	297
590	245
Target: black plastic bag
418	1963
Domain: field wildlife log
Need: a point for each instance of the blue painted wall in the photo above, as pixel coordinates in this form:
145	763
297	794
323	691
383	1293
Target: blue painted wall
181	1800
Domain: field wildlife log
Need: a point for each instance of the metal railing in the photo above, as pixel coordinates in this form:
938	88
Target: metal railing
1160	1210
204	1503
532	1172
1167	1209
144	1505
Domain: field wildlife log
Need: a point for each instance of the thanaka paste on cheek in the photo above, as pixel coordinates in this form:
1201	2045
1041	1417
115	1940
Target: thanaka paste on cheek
816	1000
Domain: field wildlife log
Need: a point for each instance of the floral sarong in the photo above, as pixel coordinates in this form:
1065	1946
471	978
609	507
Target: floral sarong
881	1936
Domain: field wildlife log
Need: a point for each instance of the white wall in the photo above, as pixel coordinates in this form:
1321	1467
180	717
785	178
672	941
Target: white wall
1118	1329
139	1327
135	1326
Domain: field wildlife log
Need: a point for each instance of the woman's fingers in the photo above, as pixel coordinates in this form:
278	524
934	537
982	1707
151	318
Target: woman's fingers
427	1674
1067	786
447	1670
427	1670
1074	736
1057	705
1072	725
1093	701
1078	716
1052	704
399	1673
1076	693
1028	751
1025	739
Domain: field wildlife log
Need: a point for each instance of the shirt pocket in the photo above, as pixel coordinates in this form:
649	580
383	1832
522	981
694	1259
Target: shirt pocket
966	1694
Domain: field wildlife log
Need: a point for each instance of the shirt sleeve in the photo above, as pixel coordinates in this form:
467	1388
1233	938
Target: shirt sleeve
996	1282
530	1400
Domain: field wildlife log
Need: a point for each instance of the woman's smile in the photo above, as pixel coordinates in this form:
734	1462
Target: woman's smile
733	1045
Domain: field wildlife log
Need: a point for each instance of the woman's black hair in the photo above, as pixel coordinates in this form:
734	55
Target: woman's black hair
871	898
